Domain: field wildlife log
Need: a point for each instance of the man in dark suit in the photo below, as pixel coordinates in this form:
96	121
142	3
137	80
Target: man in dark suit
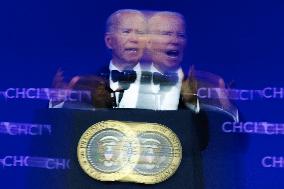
166	43
125	37
165	49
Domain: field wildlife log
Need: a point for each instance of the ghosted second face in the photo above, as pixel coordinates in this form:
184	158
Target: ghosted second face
127	39
167	39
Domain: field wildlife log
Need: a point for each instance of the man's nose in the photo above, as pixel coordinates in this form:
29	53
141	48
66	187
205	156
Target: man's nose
174	40
133	37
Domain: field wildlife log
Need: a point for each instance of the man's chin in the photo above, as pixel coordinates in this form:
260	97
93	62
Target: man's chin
170	66
131	64
167	68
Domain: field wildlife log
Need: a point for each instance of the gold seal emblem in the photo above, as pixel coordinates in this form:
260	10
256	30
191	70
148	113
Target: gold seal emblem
129	151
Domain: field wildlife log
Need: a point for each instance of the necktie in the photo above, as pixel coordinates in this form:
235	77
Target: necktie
127	76
166	79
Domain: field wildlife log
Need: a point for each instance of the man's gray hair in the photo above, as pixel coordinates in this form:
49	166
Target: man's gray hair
168	13
113	19
155	14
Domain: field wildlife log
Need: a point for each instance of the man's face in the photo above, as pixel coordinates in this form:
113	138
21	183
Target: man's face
127	40
167	40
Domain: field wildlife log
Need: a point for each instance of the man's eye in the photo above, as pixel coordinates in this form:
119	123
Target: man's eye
126	31
181	35
166	33
140	32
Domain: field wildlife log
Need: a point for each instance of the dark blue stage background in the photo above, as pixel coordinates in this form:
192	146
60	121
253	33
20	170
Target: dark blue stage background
242	41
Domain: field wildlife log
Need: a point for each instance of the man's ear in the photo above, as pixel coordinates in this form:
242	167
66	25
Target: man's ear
108	40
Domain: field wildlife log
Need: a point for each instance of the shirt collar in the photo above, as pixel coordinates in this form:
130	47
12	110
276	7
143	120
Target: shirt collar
178	71
113	67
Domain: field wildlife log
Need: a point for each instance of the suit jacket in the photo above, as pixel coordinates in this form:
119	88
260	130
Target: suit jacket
102	97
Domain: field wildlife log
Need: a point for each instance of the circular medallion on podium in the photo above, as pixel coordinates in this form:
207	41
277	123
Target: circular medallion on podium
146	153
160	153
108	151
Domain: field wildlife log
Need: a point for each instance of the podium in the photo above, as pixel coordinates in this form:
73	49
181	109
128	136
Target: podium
69	125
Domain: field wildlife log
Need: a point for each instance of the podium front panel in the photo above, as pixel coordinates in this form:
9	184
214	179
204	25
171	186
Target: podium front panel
69	125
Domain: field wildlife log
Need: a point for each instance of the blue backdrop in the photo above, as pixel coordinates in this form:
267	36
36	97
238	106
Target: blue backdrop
242	41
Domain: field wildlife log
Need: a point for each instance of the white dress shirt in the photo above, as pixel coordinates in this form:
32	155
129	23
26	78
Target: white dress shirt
153	96
130	96
149	95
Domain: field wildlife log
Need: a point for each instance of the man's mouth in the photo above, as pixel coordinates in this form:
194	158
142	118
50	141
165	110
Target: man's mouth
131	49
172	53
